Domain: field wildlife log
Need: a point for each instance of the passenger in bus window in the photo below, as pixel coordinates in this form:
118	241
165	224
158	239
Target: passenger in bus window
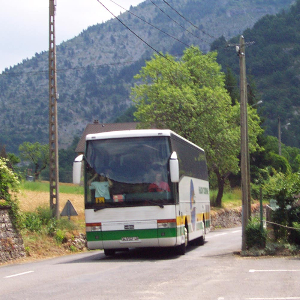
159	185
101	184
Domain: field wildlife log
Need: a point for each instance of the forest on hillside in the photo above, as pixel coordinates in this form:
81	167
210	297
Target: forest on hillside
95	69
273	69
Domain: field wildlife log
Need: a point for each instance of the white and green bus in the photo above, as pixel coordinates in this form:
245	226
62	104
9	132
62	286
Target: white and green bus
144	188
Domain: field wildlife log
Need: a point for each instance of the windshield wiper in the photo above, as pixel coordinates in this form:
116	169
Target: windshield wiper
158	204
98	208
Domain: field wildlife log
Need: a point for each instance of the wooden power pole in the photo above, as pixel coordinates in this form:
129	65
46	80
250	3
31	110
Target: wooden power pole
279	136
245	164
53	131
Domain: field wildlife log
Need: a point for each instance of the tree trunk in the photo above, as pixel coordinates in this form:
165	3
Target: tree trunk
221	184
36	172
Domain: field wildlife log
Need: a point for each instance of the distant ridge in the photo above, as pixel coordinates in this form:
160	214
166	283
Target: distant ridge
96	68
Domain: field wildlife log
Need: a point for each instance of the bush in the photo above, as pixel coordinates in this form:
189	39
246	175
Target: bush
294	236
9	183
255	191
32	221
60	236
45	215
255	236
283	188
42	221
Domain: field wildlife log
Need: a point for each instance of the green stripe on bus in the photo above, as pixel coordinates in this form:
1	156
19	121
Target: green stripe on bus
141	234
94	236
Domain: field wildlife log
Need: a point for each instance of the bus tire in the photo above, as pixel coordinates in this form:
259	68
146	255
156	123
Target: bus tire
182	248
202	238
109	252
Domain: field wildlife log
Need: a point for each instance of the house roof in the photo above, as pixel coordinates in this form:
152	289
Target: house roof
97	127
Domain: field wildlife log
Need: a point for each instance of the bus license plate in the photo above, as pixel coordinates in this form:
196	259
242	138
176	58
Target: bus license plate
130	239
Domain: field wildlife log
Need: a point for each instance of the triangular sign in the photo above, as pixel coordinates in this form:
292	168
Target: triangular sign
69	210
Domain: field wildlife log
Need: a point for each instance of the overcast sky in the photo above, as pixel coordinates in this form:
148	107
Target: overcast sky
24	25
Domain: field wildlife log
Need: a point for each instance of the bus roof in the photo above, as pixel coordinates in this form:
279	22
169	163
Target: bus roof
128	134
135	133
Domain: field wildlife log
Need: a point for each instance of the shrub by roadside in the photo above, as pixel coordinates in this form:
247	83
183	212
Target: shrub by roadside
44	234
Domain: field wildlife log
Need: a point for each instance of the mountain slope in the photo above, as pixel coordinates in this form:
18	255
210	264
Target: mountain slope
95	69
273	63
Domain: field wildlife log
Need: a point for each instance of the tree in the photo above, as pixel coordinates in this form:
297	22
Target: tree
37	154
8	179
12	159
9	184
231	86
189	97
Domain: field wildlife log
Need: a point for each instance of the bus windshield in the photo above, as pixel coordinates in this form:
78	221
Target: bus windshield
127	172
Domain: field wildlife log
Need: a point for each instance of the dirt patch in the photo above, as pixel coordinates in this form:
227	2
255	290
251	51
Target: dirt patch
30	200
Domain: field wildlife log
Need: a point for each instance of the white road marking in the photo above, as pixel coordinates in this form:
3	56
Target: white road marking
24	273
277	298
253	271
224	233
213	236
237	231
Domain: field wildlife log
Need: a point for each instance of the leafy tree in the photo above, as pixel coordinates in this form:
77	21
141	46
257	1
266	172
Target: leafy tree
272	61
285	189
279	163
9	184
66	158
231	86
288	162
12	159
189	97
8	179
127	116
37	154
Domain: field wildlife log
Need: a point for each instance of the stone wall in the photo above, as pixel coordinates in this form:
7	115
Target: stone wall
11	242
228	218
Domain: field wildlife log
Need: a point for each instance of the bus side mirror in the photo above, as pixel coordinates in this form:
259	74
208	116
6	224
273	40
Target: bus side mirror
174	167
77	167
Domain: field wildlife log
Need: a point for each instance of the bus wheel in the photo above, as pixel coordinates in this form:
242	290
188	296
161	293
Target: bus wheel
201	240
109	252
182	248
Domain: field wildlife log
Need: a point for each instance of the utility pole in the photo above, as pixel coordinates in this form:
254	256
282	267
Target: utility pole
279	136
245	164
53	131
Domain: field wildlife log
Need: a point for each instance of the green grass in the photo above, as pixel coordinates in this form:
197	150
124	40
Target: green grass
44	187
230	199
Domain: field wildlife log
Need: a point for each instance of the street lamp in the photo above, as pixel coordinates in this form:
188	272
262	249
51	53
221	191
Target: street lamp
279	134
257	103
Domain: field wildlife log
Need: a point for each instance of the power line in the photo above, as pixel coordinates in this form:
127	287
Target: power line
128	62
179	23
131	30
150	24
188	20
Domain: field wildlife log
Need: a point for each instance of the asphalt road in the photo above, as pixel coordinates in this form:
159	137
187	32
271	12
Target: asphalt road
211	271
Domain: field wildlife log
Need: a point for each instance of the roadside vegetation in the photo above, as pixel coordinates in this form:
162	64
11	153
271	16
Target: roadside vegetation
45	236
190	96
43	186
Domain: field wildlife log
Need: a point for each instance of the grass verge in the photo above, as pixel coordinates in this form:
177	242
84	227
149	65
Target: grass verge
43	186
